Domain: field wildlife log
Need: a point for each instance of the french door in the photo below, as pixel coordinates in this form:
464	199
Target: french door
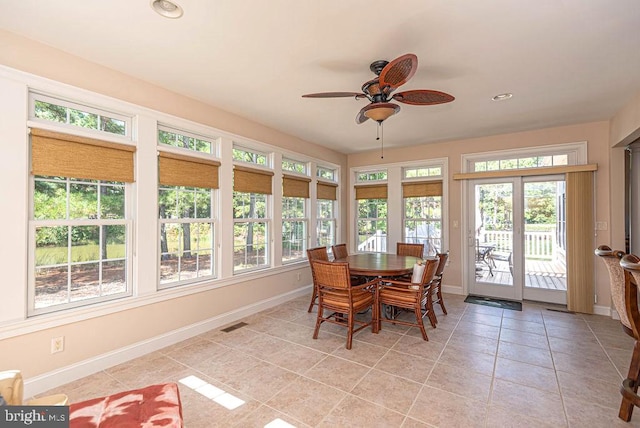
516	238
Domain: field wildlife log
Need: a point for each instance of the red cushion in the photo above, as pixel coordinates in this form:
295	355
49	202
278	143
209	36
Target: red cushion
155	405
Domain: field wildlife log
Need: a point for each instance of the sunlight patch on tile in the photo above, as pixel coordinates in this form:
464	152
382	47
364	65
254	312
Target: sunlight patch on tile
216	394
279	423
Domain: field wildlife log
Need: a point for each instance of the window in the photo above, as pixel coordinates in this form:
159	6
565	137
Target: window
294	166
372	218
79	226
423	215
294	228
250	156
251	231
371	176
416	172
521	163
50	109
187	211
326	173
185	140
326	223
186	234
295	194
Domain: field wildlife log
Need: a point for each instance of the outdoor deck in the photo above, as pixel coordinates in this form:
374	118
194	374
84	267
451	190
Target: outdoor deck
539	274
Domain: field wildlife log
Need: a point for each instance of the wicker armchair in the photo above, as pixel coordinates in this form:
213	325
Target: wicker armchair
344	300
318	253
407	295
339	251
404	249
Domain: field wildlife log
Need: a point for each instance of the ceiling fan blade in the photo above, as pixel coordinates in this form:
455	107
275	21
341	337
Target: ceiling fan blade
423	97
398	71
335	95
360	117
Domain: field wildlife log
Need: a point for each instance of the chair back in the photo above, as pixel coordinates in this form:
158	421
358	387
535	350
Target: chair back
431	266
443	257
631	265
340	251
318	253
331	274
611	259
405	249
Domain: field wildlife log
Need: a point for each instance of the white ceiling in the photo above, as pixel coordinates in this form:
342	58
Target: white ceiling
565	61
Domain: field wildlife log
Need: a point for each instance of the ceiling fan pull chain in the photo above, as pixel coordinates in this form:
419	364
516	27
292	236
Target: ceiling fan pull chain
381	126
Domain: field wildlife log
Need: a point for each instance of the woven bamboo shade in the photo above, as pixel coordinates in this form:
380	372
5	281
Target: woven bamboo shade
250	180
421	188
181	170
295	187
64	155
327	191
373	191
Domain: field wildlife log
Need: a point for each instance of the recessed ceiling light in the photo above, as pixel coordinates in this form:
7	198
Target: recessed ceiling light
167	8
502	97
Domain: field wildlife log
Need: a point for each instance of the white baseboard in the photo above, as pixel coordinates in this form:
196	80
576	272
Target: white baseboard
49	380
452	289
604	310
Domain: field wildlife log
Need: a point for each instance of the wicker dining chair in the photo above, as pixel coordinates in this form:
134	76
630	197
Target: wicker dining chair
344	300
405	249
435	288
318	253
405	295
340	251
629	390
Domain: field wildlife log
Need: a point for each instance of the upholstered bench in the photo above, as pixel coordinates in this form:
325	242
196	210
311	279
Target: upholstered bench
155	405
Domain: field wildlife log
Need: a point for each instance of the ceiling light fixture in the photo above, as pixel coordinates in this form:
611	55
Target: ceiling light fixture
380	112
167	8
502	97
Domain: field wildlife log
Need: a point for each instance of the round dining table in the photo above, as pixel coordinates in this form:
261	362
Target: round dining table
379	264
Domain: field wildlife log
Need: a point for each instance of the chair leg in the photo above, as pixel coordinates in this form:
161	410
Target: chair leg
626	406
374	318
314	296
418	313
440	299
428	307
318	321
350	329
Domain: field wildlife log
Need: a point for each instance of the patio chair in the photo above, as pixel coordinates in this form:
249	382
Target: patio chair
629	389
411	296
405	249
337	294
318	253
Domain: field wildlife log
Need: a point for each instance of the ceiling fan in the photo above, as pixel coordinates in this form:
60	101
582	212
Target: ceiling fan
390	75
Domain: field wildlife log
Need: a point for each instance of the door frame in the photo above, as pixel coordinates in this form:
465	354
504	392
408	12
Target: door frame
518	291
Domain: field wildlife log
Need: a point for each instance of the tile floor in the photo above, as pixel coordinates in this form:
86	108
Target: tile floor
482	366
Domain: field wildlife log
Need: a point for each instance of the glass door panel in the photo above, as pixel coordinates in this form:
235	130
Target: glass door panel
545	272
491	239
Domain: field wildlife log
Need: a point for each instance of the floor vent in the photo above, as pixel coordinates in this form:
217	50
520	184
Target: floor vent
234	327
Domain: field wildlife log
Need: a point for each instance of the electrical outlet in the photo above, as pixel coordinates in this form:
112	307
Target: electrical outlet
57	344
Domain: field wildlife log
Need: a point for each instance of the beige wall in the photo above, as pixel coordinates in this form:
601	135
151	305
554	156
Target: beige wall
596	134
96	336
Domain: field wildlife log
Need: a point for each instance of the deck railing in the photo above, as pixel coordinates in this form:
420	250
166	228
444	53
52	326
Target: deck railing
537	245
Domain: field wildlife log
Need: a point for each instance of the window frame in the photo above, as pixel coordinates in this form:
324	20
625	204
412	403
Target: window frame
212	220
333	220
71	128
268	232
34	223
305	222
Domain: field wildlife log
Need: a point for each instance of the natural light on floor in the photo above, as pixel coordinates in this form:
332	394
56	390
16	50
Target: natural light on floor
278	423
211	392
